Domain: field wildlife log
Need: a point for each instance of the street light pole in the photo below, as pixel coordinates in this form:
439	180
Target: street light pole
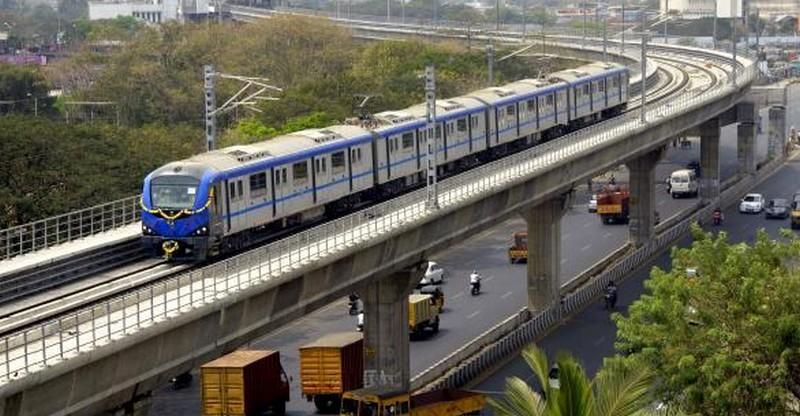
643	113
605	36
431	139
622	43
211	123
583	10
497	15
388	11
714	30
666	19
490	63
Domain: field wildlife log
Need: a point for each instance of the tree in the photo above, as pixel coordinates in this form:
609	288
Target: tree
726	341
22	85
617	391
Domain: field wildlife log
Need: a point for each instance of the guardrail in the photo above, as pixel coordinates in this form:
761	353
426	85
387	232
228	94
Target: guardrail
60	229
211	285
496	345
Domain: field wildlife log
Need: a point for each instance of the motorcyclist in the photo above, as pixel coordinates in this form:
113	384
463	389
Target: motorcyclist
717	216
475	282
355	304
611	295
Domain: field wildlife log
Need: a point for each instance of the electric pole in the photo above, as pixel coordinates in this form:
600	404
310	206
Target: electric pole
432	139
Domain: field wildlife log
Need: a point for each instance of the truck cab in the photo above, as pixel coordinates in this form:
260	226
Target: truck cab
795	210
372	401
518	252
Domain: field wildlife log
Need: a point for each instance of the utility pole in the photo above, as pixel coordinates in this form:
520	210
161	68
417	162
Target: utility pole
219	11
643	113
734	21
490	63
241	98
745	13
622	43
432	139
583	10
497	15
435	13
388	11
524	19
403	11
211	121
758	29
666	19
605	36
714	30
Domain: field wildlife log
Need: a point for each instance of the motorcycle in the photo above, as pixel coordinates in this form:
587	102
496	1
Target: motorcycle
610	298
717	218
476	288
354	305
181	381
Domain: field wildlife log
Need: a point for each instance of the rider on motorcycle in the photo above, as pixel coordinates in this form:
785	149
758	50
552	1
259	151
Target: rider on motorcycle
717	216
475	281
611	295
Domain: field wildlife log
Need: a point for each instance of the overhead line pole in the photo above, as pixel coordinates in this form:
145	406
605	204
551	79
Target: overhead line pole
431	139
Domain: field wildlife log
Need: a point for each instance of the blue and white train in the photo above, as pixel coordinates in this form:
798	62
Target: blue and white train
226	199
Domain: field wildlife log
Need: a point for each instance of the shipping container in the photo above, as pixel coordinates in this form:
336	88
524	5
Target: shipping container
330	366
422	314
244	383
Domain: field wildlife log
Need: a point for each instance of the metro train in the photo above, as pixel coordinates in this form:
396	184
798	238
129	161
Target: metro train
224	200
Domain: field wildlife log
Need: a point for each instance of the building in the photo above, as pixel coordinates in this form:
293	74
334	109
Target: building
695	9
155	11
689	9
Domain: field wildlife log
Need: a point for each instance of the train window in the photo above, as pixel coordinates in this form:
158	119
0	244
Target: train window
549	100
474	121
438	132
300	171
284	175
258	184
337	162
462	124
353	155
396	144
316	162
359	153
510	110
586	89
324	167
240	188
232	190
615	82
601	85
594	87
531	104
408	140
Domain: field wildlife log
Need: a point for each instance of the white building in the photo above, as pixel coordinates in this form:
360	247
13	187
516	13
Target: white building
155	11
693	9
689	9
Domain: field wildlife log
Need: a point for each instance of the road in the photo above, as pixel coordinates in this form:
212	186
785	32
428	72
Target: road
590	335
584	241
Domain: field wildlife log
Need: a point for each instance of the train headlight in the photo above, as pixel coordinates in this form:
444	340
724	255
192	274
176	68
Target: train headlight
201	231
147	230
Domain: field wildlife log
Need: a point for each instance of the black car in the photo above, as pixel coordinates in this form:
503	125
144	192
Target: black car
777	208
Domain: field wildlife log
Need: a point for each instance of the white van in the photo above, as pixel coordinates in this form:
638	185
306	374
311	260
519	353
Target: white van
683	183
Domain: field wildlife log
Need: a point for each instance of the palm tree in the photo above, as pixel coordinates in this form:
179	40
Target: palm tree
616	391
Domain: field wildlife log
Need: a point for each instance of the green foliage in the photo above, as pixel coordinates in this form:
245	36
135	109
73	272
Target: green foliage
22	84
726	341
50	168
617	391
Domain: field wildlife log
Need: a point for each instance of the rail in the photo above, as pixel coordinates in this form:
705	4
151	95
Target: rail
73	334
63	228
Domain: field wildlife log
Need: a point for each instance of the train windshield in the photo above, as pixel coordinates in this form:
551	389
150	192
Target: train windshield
173	192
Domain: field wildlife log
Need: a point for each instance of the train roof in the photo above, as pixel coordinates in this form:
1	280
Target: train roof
588	71
448	107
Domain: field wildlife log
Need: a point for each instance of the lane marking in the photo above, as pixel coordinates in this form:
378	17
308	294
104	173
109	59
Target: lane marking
600	340
488	278
606	235
457	295
507	294
586	247
662	202
473	314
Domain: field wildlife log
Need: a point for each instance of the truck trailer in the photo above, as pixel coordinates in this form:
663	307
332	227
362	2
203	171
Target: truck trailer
244	383
423	313
330	366
613	205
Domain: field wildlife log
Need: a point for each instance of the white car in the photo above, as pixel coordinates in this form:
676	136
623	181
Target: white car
751	203
434	275
593	204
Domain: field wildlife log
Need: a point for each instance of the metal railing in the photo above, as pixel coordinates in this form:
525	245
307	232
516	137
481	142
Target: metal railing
33	349
62	228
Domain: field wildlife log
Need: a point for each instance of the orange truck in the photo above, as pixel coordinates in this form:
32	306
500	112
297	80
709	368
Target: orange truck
518	252
244	383
613	204
331	366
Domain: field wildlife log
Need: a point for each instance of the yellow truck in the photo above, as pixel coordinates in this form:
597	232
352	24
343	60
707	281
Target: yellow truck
330	366
423	313
375	402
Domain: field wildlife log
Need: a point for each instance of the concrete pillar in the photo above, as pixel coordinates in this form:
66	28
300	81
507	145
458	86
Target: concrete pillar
709	160
777	131
642	171
386	360
544	252
746	138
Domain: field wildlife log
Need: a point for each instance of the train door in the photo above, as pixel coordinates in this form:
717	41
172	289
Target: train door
280	183
237	204
218	214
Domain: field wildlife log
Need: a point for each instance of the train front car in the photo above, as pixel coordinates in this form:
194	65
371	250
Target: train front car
177	211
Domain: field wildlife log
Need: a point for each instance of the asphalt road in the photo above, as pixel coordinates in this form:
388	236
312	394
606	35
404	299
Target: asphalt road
590	335
585	240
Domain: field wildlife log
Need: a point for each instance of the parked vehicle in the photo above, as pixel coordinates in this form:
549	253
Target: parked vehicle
777	208
518	252
378	402
434	275
613	204
423	314
244	383
751	203
683	183
695	166
795	214
331	366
